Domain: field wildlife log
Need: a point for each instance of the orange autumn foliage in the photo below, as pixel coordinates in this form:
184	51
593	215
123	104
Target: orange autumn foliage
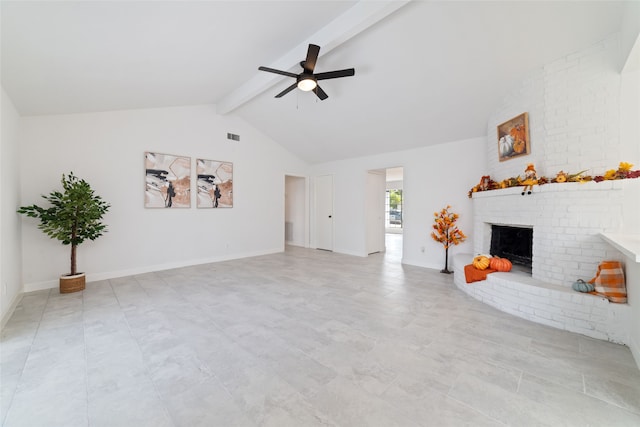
445	229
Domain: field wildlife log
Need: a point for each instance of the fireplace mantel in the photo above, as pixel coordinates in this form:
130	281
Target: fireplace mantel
627	243
556	187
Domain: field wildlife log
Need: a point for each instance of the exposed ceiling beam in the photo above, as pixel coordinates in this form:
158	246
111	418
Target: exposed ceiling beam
361	16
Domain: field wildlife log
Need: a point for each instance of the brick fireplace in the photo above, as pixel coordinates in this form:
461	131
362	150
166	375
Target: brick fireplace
583	117
566	219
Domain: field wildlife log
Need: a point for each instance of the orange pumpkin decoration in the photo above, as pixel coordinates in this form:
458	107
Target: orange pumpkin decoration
500	264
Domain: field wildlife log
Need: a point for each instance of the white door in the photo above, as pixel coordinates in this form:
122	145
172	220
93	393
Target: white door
375	211
324	212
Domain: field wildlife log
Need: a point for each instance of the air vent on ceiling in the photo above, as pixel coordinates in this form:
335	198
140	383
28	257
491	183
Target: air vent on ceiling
233	137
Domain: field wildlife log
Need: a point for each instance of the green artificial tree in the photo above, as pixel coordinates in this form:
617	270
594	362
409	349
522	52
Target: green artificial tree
74	216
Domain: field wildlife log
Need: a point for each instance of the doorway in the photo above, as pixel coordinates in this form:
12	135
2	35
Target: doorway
394	207
324	212
384	207
296	224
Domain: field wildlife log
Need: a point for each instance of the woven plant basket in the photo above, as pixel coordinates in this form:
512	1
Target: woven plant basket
69	284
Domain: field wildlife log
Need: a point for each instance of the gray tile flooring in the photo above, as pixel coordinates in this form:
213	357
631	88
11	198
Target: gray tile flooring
301	338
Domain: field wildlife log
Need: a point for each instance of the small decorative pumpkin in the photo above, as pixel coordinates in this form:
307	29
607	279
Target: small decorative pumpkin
582	286
481	262
500	264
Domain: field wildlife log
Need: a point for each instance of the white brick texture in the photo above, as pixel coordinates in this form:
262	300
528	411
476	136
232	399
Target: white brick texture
574	123
566	221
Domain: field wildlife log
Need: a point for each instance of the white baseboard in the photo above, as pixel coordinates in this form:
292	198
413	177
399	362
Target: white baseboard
95	277
39	286
348	252
12	307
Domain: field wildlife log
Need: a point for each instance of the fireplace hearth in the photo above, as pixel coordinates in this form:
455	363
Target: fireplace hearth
566	221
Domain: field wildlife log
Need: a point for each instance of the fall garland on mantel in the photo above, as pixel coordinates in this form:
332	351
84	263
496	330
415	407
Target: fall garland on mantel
623	172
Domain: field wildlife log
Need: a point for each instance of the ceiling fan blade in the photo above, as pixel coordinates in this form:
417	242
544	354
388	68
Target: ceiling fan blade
312	56
272	70
287	90
335	74
321	94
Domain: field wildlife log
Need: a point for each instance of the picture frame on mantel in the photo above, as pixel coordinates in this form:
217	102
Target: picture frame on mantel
513	138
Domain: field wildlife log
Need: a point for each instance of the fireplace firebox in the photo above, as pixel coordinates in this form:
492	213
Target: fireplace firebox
513	243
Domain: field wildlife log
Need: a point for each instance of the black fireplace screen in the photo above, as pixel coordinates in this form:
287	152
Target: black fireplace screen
513	243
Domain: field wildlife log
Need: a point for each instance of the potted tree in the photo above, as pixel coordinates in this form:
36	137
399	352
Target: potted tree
446	232
74	216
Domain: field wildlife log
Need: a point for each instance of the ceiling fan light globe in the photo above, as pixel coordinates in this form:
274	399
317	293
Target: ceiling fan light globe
307	85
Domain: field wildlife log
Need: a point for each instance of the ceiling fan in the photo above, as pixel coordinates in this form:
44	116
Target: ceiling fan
307	81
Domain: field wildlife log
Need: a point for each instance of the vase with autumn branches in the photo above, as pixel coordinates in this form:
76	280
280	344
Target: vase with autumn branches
447	232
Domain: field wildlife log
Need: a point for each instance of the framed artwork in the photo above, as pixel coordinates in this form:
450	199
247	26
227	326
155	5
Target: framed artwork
513	138
215	183
167	181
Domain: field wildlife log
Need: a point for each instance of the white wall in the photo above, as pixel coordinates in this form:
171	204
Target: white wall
107	149
295	209
10	243
630	30
434	177
630	132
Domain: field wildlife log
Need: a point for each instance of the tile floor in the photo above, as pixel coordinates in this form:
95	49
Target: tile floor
301	338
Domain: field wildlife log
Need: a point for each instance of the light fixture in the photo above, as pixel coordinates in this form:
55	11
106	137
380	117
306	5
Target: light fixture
307	83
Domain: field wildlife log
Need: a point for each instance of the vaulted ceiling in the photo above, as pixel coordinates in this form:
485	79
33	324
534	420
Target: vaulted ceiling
427	73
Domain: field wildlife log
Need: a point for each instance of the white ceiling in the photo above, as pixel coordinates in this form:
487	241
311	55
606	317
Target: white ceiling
431	72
